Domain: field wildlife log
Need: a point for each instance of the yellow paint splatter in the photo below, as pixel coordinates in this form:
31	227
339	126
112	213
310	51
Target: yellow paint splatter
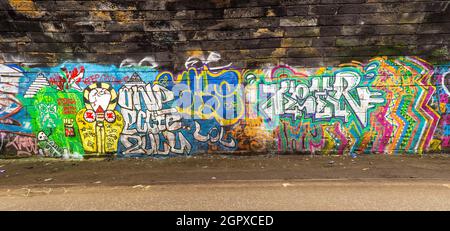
270	13
265	31
102	15
123	16
194	53
26	7
279	52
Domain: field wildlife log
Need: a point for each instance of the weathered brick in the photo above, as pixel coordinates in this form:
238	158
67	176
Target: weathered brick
296	42
186	5
433	28
59	37
159	26
303	52
52	26
297	10
327	20
360	8
82	26
102	37
323	41
301	31
390	29
152	5
249	32
298	2
329	30
227	24
257	63
249	3
324	9
14	37
34	26
437	17
197	14
123	27
9	46
341	1
298	21
45	47
267	33
433	39
305	61
244	12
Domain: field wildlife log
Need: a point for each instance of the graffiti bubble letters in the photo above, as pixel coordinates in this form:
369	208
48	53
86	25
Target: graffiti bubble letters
18	143
214	135
148	126
207	95
321	98
69	106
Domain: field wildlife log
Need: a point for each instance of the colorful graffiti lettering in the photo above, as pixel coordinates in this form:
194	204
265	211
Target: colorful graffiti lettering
385	106
65	80
206	95
150	128
9	89
324	96
14	144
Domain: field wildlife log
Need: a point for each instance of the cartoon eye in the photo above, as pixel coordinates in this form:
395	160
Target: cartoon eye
110	116
89	116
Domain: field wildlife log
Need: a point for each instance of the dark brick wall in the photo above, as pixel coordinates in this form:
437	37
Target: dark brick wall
248	33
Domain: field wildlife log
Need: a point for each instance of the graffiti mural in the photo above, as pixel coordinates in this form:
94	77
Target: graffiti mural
383	106
50	109
16	138
150	126
99	123
337	95
14	144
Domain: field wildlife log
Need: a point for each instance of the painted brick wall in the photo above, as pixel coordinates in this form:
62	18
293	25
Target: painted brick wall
172	77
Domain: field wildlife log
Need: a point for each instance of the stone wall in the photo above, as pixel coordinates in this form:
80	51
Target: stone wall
167	78
248	33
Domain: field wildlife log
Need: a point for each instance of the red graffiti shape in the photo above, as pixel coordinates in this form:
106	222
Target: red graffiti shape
89	115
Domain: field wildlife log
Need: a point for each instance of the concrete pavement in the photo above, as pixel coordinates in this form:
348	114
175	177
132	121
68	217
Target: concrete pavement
224	183
375	194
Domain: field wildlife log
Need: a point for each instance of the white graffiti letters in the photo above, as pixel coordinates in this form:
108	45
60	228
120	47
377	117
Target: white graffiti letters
213	136
319	98
149	128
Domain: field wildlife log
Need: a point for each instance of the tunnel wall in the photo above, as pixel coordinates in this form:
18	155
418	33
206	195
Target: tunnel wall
72	110
178	78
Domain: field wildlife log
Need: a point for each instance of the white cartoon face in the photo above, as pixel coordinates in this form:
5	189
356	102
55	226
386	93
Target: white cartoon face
99	97
41	136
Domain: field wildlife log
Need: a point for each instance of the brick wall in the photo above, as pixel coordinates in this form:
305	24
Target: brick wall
248	33
172	77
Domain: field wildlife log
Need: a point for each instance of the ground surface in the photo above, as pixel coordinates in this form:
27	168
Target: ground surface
228	183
